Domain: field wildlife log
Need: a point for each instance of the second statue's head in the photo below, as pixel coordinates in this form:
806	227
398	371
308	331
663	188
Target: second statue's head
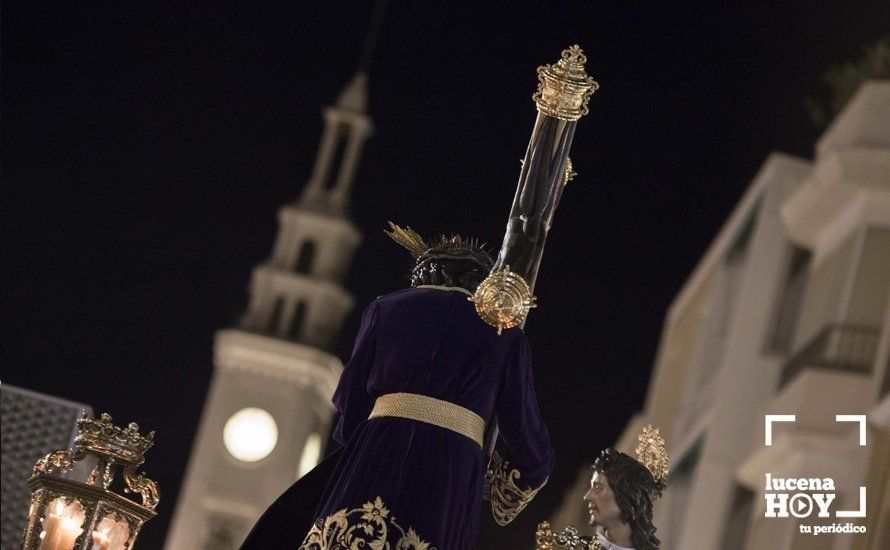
622	490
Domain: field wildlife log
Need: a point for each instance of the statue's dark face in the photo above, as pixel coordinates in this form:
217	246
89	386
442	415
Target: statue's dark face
601	501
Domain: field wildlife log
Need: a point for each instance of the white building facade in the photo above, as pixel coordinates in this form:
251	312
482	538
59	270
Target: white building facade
268	410
786	314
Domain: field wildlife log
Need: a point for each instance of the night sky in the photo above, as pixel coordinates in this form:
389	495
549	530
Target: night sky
147	147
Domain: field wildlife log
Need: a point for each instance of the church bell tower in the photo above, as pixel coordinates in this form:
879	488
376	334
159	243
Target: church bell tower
268	410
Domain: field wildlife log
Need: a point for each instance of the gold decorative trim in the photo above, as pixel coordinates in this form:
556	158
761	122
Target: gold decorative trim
564	87
570	171
147	488
652	453
64	461
569	539
507	498
503	299
371	526
432	411
447	288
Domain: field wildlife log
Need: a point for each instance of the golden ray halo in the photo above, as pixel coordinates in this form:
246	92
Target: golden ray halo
408	238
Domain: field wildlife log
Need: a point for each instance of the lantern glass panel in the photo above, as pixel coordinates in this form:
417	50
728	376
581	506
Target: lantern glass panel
110	534
61	524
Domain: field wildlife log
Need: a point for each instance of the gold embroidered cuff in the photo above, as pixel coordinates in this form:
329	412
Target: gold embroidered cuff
507	498
432	411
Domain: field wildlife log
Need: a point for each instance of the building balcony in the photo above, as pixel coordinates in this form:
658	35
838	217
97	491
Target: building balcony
831	375
837	347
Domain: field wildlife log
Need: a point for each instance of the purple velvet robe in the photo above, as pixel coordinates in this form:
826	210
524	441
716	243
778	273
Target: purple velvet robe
418	482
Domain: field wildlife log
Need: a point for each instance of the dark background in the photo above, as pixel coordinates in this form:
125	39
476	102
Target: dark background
147	146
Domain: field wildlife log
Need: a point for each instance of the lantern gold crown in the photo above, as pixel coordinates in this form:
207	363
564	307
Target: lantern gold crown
564	88
118	445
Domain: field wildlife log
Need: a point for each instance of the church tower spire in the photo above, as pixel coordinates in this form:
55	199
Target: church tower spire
346	127
268	409
298	294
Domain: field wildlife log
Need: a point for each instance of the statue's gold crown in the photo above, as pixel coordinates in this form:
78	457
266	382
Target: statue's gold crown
417	246
116	444
564	88
652	453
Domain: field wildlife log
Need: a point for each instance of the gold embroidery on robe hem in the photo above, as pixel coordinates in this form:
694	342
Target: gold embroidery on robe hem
546	539
371	526
507	498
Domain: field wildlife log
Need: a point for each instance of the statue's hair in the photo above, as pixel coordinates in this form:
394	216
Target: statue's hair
635	491
452	261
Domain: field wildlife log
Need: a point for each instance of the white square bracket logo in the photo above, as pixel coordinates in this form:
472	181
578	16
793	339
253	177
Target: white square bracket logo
770	419
860	418
768	428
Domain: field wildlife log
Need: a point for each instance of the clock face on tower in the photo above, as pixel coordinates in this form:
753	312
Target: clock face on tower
250	434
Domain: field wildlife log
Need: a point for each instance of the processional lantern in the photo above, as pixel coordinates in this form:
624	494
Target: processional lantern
67	514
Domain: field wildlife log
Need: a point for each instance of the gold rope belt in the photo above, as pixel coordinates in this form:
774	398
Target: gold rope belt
432	411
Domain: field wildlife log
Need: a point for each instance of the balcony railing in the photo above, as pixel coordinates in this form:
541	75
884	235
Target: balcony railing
848	348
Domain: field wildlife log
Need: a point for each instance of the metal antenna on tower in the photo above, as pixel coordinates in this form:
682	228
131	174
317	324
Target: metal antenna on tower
371	38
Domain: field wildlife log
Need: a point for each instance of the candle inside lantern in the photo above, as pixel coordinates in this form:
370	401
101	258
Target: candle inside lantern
111	534
60	528
101	541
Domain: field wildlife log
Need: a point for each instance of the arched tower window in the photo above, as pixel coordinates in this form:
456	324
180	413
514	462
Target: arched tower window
296	323
275	318
305	257
310	455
